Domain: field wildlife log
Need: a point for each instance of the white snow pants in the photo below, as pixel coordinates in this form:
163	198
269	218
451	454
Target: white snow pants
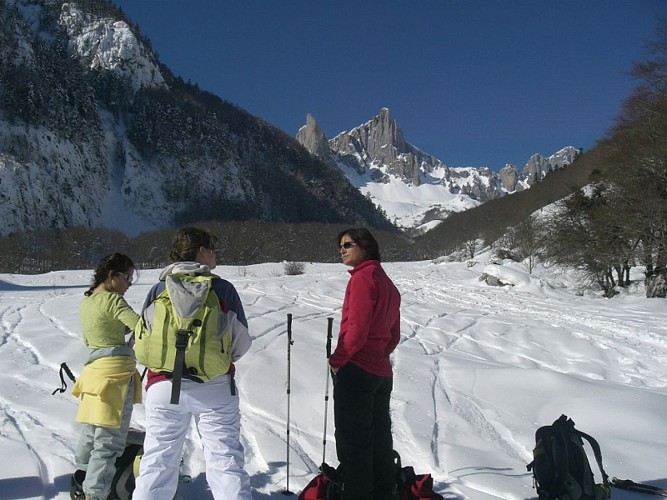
218	421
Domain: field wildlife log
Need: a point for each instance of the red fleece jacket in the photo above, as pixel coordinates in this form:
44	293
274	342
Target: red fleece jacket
370	323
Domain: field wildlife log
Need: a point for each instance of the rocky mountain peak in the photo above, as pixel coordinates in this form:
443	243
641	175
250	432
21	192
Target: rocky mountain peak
376	157
313	139
509	178
379	144
382	137
109	44
538	166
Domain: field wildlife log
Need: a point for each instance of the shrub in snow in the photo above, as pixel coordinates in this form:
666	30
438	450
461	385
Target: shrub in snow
294	268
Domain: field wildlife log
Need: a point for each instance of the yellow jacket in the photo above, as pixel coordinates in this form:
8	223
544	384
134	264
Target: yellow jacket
102	389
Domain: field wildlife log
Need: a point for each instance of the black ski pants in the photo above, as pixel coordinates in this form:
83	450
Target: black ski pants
363	434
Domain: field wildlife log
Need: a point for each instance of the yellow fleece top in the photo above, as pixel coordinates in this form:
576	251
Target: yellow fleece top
102	389
105	317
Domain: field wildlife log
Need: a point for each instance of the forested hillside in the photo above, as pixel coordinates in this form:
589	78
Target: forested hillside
96	132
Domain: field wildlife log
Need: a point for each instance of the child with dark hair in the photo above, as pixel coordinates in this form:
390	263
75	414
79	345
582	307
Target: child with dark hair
109	383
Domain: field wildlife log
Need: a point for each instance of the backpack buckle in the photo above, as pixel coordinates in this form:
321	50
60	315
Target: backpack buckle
182	337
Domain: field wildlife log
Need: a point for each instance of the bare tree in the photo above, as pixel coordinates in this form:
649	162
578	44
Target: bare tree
529	239
584	234
637	153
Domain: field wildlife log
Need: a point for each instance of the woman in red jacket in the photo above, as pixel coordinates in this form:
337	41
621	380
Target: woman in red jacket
362	372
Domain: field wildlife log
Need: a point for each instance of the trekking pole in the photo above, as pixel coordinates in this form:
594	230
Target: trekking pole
289	361
630	485
326	390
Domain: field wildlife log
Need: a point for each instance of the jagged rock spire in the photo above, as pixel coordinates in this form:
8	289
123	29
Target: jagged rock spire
313	139
382	137
311	136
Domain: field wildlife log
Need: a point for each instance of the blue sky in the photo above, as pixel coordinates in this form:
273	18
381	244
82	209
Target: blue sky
472	82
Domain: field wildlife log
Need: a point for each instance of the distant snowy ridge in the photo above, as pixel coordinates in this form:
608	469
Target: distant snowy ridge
414	188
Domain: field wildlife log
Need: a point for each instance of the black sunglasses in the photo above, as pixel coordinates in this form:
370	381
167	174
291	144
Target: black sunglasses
347	245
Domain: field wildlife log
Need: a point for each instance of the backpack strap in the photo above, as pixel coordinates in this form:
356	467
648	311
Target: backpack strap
562	426
63	384
598	458
232	382
182	337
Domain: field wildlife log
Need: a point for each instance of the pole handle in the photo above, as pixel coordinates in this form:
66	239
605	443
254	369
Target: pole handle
329	336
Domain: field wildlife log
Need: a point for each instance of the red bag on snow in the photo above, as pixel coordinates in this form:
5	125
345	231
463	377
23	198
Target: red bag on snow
413	486
324	486
421	489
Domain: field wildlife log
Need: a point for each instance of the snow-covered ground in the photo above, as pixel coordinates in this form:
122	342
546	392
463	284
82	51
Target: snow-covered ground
477	371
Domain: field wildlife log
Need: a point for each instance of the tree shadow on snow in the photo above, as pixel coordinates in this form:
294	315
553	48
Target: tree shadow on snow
279	490
198	488
13	287
441	488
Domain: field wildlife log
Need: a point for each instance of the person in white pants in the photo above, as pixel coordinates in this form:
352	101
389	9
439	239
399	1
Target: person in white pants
217	417
214	404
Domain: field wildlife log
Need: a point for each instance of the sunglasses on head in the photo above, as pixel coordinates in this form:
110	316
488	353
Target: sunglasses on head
347	245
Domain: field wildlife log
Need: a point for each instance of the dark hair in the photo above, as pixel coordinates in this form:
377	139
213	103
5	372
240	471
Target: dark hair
187	242
364	239
115	262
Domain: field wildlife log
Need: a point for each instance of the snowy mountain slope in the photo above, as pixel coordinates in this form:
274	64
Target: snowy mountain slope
94	131
109	45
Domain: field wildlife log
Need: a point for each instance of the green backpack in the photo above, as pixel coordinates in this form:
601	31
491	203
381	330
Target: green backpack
561	470
186	335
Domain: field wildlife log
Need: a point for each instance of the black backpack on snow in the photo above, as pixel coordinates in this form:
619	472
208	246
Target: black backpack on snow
560	467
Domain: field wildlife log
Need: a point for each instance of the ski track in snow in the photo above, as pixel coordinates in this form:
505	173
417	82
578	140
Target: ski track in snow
14	427
627	338
448	322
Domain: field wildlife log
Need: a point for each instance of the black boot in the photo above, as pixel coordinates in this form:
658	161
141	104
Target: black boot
76	485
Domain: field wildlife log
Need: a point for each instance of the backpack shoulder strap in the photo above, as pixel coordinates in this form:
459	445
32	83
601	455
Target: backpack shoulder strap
598	455
560	429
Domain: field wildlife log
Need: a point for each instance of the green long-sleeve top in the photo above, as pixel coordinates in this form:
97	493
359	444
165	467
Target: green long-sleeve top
105	316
